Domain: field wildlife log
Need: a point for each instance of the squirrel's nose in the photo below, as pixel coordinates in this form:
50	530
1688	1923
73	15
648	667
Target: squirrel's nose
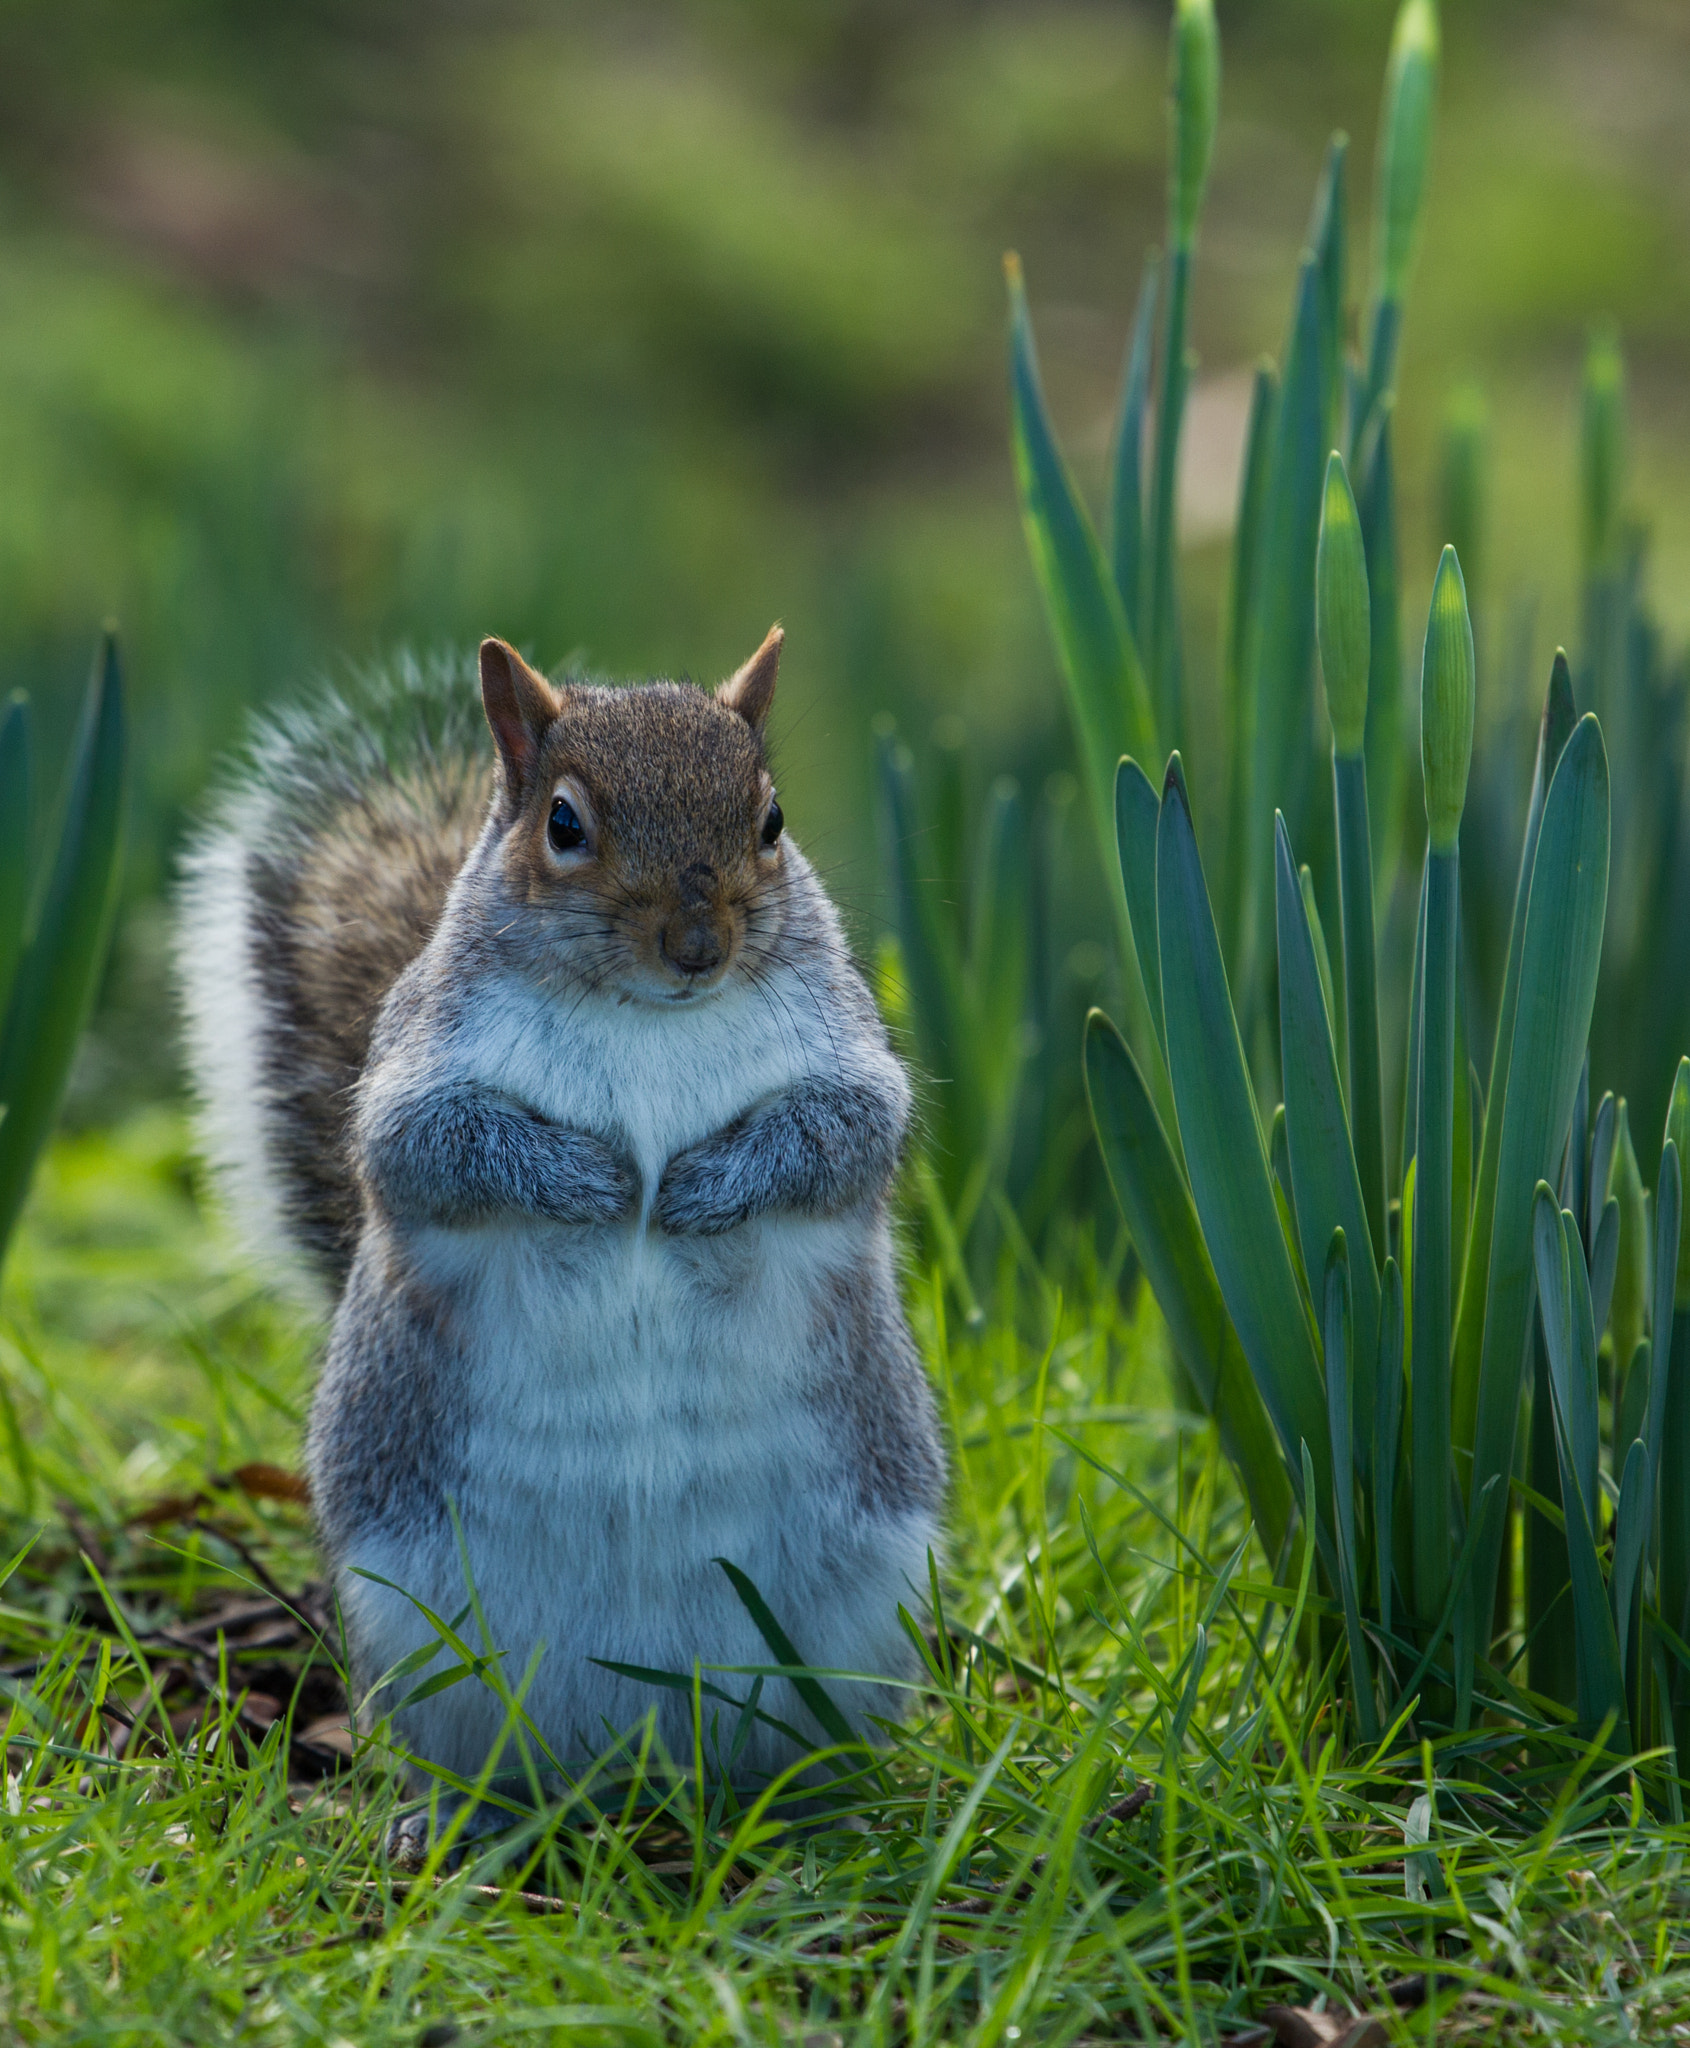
692	945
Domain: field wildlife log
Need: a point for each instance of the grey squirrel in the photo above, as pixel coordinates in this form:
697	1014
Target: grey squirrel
546	1062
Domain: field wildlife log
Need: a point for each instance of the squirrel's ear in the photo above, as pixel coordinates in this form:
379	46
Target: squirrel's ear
750	690
520	704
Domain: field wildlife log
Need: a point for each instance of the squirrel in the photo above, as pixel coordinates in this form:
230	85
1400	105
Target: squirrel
535	1047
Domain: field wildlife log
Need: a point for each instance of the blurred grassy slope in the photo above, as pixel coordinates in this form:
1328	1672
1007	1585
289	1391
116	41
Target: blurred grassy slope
623	330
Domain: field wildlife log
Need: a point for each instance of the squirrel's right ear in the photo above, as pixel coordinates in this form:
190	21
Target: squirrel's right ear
750	690
520	704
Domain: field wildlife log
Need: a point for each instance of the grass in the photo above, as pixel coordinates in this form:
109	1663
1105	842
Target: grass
205	1874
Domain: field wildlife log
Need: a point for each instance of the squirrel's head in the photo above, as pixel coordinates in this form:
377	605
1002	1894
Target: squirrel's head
640	824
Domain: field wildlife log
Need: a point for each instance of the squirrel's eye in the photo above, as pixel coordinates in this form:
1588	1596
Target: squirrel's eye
772	824
564	829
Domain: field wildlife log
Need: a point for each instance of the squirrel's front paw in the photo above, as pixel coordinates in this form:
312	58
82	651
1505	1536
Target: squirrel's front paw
594	1182
699	1194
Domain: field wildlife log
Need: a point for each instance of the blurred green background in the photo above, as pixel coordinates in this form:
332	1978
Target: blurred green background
329	325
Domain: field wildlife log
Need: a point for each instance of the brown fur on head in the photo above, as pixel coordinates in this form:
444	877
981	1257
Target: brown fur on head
641	824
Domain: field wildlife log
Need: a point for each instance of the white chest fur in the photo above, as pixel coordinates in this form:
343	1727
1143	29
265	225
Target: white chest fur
642	1405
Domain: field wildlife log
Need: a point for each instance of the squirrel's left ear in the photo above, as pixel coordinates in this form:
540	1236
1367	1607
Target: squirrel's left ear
520	704
750	690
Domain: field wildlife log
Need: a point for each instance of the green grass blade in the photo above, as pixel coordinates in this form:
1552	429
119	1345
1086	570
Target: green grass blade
1281	661
1126	495
1224	1157
1560	955
1554	730
1165	1232
1327	1189
811	1691
1099	661
1338	1350
1137	809
59	970
15	793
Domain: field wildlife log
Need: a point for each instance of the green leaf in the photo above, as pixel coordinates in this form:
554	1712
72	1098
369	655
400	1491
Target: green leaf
1631	1526
1554	730
1361	990
1335	1329
1630	1309
1560	954
1329	239
1571	1344
1224	1158
1387	1409
15	790
1000	942
1326	1186
1668	1231
1678	1131
1243	606
1322	958
1106	687
1376	503
1429	1349
1126	517
1137	810
1164	1229
932	971
59	970
1604	1260
1281	656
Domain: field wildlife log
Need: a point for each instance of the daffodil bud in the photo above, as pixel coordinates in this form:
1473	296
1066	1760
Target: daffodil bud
1194	91
1342	620
1446	705
1405	142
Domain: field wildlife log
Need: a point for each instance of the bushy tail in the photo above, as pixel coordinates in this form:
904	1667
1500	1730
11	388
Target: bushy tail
320	871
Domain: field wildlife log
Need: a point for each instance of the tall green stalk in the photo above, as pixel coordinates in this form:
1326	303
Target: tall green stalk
1194	104
1446	728
1344	630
